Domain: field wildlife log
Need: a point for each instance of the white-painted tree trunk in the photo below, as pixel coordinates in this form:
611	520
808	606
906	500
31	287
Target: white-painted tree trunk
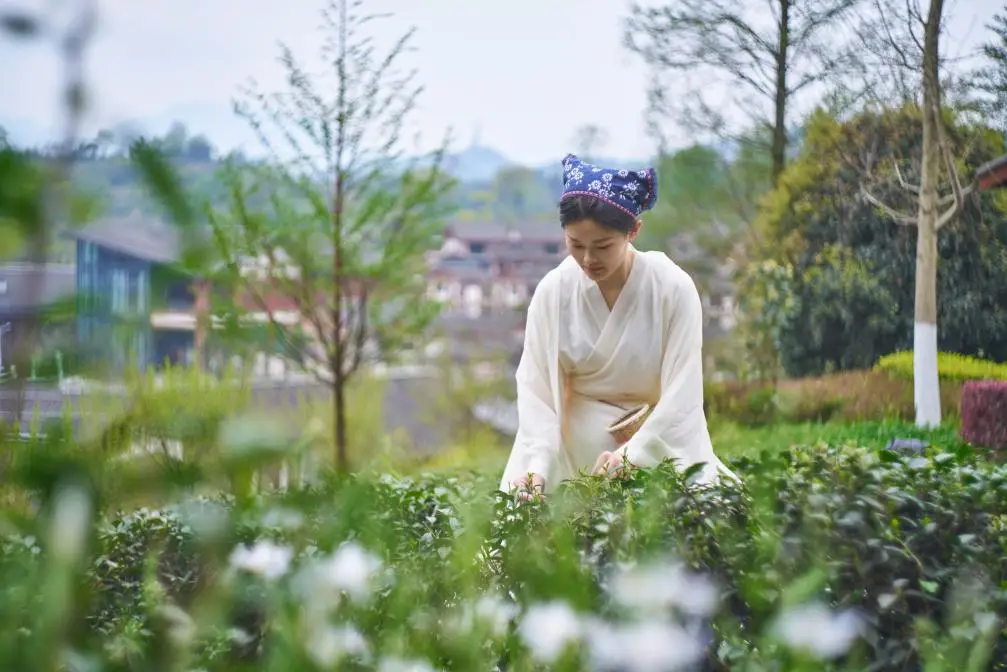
929	221
926	385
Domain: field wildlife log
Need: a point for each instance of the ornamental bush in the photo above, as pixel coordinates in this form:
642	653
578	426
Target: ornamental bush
951	367
984	413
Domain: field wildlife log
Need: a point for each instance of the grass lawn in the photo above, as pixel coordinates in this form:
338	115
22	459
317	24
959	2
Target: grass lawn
731	439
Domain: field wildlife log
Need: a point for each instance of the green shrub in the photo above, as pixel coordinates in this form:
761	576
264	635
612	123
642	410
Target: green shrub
751	406
803	408
360	572
759	407
870	546
951	367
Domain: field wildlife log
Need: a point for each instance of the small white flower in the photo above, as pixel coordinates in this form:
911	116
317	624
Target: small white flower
328	645
648	646
282	518
817	630
350	569
393	664
495	613
548	628
660	586
265	558
239	636
489	611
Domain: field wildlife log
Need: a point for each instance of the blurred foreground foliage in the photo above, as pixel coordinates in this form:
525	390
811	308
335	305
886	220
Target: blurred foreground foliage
119	557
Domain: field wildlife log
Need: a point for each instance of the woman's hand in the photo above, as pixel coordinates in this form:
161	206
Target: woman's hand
530	488
613	464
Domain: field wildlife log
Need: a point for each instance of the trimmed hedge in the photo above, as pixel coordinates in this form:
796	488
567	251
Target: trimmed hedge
951	367
984	413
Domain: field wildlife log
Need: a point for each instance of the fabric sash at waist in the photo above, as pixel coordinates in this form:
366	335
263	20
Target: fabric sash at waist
623	403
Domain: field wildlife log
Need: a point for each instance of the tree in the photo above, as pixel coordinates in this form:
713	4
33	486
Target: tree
337	232
991	79
763	71
694	190
198	149
588	140
521	194
934	212
831	284
175	140
695	196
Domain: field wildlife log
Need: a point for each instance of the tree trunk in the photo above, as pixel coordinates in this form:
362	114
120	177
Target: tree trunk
779	148
337	360
338	356
926	384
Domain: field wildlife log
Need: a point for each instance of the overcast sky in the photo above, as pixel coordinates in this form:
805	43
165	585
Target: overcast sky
519	75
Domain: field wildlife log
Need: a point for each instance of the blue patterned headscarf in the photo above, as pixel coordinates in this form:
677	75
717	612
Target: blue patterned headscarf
632	191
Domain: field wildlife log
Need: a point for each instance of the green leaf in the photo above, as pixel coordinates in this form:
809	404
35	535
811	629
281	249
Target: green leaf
805	587
162	180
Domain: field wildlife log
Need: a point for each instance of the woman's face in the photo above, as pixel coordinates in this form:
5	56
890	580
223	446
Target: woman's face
599	251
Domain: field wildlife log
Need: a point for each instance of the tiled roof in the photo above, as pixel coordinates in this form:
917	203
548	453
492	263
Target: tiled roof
25	287
135	235
537	231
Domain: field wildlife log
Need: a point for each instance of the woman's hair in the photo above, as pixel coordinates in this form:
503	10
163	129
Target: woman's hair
580	207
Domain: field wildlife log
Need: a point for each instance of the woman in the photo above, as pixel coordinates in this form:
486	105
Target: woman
608	329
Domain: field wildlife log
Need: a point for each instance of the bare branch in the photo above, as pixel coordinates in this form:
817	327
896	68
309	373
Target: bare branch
958	192
956	208
949	162
361	330
911	188
720	39
915	188
899	218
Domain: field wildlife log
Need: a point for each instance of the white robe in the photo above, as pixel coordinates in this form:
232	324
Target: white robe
584	365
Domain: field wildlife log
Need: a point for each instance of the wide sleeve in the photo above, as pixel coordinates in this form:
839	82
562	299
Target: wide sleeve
677	426
537	443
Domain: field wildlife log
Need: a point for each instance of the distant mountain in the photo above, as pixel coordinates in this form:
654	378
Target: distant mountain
476	164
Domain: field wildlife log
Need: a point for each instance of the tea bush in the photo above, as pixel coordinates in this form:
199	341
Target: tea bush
825	558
